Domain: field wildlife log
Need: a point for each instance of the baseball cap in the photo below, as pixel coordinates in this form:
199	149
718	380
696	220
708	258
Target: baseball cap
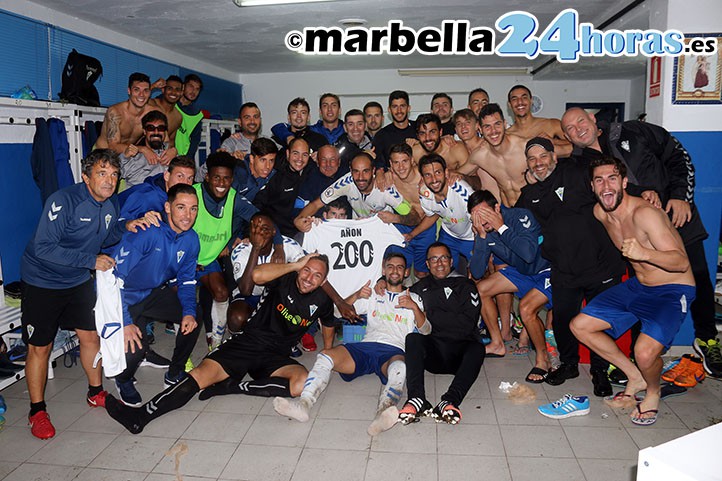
542	142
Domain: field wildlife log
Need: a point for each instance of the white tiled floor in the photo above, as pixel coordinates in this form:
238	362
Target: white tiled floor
242	438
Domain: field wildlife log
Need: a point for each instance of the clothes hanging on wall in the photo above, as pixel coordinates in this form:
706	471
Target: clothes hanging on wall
42	161
61	152
90	136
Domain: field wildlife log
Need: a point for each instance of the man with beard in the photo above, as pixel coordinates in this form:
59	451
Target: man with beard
249	119
502	157
297	128
658	161
157	269
172	89
443	107
406	179
188	135
374	114
355	139
527	126
391	317
135	167
329	107
466	125
658	295
584	261
451	305
122	126
478	99
428	132
363	195
395	133
290	304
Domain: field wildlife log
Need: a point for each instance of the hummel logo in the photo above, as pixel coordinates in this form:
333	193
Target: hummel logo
290	299
150	408
535	201
525	221
69	71
625	145
53	212
85	219
288	190
607	281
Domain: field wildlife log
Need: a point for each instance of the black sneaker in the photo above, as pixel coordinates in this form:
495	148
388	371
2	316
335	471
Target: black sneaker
128	393
296	352
562	373
153	359
711	356
602	387
617	377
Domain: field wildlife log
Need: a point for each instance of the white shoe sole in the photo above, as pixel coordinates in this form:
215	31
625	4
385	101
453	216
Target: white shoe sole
580	412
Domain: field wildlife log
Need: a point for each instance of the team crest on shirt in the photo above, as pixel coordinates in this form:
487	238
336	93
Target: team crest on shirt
108	218
547	283
312	308
560	193
179	255
448	291
30	330
329	192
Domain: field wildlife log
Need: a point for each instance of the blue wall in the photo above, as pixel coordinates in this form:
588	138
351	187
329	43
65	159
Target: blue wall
705	148
34	53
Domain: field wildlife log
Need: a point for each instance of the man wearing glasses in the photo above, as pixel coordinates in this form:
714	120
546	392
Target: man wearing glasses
451	304
135	166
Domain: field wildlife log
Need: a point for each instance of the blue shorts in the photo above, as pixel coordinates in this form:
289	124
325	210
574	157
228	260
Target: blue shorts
541	282
415	251
456	246
214	266
661	309
369	357
250	300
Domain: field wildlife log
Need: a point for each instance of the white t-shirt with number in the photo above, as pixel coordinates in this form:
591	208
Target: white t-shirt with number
363	205
355	249
242	252
386	323
454	215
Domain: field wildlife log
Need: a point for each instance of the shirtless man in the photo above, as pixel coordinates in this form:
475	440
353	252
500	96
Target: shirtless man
428	132
528	126
172	88
122	123
466	124
658	296
502	157
478	99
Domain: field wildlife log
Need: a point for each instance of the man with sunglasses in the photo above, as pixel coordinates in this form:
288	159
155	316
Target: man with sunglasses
135	166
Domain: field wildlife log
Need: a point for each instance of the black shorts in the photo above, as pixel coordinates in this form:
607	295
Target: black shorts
239	356
46	310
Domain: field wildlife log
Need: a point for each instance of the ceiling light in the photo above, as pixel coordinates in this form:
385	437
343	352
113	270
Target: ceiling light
352	22
258	3
451	72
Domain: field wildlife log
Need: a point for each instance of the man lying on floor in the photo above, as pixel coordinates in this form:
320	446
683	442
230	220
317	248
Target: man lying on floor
289	305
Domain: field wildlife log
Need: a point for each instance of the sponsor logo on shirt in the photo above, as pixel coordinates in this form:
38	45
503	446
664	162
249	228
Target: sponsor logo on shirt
294	319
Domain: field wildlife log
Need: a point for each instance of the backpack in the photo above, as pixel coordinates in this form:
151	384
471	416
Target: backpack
79	75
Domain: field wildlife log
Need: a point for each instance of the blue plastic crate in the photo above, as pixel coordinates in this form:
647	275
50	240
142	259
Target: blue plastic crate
353	333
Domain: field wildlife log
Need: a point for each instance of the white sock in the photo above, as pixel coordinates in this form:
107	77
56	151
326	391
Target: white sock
317	379
391	393
218	317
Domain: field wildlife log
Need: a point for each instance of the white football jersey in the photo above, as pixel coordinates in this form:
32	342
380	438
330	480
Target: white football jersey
355	249
454	216
363	205
242	252
386	323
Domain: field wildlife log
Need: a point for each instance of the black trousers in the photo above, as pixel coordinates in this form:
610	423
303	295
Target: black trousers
567	303
463	359
702	308
162	304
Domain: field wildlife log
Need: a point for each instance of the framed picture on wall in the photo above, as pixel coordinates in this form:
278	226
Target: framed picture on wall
697	79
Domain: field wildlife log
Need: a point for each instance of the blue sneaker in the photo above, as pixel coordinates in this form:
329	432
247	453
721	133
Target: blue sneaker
169	380
128	393
566	407
296	352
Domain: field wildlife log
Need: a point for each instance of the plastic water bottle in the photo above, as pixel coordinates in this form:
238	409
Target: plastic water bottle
552	350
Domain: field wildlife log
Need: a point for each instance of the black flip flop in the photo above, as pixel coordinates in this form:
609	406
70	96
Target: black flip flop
539	372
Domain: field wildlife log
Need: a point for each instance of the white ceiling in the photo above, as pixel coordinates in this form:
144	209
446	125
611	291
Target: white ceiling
251	39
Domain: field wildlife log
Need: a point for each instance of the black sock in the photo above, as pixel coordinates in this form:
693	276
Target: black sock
267	387
94	390
37	407
135	419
